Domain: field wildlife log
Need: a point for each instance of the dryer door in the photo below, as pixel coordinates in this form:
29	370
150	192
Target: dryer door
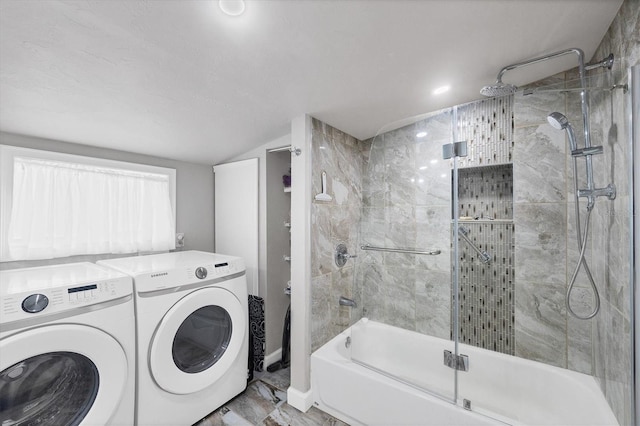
197	341
62	375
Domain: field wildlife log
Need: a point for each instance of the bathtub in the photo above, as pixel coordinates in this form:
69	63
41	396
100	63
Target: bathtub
405	382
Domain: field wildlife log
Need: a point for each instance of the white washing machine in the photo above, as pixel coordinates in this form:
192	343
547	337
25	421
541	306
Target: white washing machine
67	346
192	327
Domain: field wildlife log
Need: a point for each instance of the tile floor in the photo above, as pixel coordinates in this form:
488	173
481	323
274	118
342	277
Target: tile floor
264	402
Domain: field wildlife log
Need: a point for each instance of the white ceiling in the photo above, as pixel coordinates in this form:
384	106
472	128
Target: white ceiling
179	79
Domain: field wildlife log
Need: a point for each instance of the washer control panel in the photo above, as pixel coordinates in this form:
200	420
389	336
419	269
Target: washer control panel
17	306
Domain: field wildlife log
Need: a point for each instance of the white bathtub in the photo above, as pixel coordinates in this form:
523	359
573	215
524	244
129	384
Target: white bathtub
501	388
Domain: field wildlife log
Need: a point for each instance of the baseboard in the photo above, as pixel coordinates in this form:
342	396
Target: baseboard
274	356
299	400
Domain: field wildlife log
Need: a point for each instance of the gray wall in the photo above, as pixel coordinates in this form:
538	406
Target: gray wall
278	245
194	191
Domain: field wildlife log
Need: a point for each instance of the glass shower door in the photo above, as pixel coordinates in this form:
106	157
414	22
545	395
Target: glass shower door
404	267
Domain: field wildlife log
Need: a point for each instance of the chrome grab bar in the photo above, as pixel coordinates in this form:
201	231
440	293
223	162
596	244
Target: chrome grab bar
484	256
401	250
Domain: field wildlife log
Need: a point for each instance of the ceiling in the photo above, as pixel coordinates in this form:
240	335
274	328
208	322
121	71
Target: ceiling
180	79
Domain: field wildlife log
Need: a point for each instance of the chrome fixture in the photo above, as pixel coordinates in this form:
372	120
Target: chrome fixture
343	301
457	362
291	149
605	63
484	256
502	89
341	255
560	122
432	252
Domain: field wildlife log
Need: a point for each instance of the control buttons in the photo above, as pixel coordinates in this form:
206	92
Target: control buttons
35	303
201	273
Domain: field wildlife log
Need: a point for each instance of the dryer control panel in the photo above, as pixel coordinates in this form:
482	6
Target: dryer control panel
52	300
204	272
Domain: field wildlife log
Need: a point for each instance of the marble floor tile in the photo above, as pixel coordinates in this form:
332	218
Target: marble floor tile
278	379
264	403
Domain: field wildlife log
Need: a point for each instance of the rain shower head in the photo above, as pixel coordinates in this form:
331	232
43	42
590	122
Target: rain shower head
558	121
498	89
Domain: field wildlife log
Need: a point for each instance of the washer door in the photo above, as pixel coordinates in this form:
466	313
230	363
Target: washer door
197	341
62	375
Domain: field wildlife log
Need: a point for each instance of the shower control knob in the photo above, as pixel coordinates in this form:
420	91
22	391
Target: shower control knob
201	273
35	303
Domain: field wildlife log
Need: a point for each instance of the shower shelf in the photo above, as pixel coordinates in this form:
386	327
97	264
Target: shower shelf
485	220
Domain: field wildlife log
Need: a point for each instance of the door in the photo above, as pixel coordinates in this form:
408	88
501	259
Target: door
236	215
61	374
198	340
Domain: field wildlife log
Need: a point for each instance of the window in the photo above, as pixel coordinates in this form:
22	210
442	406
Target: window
57	205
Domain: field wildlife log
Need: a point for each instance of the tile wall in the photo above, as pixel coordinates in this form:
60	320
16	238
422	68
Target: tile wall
333	222
611	219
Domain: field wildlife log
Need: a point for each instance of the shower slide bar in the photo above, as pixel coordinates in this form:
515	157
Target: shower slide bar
484	256
401	250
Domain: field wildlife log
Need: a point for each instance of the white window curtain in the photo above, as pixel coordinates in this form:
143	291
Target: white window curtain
63	209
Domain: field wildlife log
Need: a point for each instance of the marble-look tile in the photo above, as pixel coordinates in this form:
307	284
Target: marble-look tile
320	310
539	165
433	232
540	235
540	320
399	294
433	303
373	300
373	227
579	333
321	242
533	109
341	285
286	415
280	379
257	401
224	417
400	175
401	226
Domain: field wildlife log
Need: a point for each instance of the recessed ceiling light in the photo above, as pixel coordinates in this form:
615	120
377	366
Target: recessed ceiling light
423	168
232	7
433	161
421	134
440	90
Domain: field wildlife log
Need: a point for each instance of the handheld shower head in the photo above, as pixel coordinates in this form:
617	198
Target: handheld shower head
558	121
498	89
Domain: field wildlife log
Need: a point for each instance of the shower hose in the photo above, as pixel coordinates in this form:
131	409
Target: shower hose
582	245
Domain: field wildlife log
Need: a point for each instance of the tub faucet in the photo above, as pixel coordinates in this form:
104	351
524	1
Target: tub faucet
347	302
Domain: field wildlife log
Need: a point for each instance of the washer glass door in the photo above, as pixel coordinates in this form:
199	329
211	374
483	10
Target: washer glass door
51	388
202	338
63	375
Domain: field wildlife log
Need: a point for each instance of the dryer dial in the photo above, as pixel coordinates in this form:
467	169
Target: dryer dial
201	273
35	303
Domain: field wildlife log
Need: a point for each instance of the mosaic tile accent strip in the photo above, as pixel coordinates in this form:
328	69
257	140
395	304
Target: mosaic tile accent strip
487	291
486	192
487	126
256	328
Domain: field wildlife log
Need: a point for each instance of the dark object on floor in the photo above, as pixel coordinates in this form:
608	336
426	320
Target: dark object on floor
286	344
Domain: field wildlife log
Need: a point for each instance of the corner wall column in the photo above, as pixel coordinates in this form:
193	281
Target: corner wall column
299	392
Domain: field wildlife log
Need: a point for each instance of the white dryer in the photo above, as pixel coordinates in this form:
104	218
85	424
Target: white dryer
67	346
192	327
